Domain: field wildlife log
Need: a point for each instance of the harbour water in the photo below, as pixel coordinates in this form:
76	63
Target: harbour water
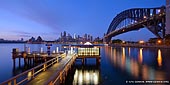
124	65
119	65
6	61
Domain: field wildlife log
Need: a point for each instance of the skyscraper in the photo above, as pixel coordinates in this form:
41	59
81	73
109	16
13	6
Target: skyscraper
64	34
61	35
85	37
74	36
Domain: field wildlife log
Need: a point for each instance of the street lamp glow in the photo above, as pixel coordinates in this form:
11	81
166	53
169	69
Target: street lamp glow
159	10
150	14
144	17
123	41
159	41
141	41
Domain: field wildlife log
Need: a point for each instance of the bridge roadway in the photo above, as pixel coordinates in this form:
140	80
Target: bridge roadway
45	77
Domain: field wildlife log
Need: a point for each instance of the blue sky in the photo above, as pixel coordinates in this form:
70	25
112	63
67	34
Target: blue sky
48	18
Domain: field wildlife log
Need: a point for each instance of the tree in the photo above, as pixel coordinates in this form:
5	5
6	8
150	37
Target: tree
117	41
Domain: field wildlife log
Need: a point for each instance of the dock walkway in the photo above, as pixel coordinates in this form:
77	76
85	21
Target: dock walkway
53	72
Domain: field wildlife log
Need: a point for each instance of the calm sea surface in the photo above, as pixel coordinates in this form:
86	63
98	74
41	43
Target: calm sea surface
6	62
119	65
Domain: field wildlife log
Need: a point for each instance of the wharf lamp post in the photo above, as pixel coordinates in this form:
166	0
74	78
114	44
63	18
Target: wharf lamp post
48	48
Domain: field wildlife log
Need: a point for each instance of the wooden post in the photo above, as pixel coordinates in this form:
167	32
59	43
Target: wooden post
15	82
9	83
66	71
61	77
57	59
83	61
24	55
45	59
19	61
33	73
34	58
25	61
32	61
98	60
29	61
52	62
14	63
44	67
51	83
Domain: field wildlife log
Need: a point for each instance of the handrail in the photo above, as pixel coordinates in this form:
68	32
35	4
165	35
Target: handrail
30	73
54	79
58	76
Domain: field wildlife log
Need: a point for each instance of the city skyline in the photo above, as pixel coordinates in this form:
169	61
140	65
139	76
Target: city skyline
25	19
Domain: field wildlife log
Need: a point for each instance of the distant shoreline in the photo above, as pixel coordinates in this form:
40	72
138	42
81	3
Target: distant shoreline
11	42
141	46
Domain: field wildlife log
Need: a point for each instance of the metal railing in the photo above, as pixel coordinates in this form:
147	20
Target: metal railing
31	73
63	71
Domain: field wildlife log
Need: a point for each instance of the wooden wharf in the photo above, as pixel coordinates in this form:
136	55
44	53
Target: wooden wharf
44	73
52	71
31	58
56	74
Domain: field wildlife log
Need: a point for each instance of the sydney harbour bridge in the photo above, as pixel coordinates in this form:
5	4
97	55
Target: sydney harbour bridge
156	20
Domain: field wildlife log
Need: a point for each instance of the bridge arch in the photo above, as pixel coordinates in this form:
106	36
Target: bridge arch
133	19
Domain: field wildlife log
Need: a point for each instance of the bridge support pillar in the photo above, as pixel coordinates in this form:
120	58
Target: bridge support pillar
167	17
106	40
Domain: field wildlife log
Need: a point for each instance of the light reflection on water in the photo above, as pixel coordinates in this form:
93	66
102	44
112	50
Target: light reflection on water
159	58
87	74
86	77
118	64
136	67
140	55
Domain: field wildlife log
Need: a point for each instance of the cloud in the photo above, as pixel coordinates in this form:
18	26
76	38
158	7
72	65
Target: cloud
34	10
24	35
28	35
21	32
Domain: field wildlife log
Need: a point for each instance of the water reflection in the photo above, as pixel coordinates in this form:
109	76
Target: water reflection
87	76
123	58
141	55
159	59
129	51
135	67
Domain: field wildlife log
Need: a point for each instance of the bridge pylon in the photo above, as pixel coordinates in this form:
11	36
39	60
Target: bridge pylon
106	40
